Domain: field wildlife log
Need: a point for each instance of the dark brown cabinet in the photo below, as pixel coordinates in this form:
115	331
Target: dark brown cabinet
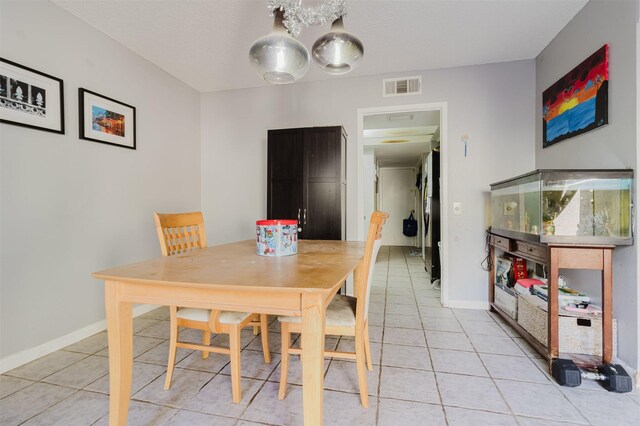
306	180
433	267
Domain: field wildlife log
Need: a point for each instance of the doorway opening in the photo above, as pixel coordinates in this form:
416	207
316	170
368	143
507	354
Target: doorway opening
400	153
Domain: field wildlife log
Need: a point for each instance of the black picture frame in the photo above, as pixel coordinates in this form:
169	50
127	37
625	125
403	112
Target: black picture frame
30	98
106	120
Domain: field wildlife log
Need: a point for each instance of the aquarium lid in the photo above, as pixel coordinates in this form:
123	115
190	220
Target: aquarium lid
564	174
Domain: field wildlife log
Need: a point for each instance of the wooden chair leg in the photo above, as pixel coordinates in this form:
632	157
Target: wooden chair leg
264	330
362	371
284	359
255	330
367	346
173	340
206	341
234	347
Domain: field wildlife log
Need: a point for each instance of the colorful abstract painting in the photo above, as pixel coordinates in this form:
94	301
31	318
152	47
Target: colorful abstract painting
578	102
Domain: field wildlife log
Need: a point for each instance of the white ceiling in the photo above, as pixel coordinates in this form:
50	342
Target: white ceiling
399	139
205	43
402	119
402	155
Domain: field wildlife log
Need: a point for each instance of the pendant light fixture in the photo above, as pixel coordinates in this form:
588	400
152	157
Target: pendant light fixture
337	52
279	58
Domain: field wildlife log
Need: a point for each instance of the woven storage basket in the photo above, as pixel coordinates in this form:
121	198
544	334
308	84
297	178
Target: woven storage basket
506	300
576	334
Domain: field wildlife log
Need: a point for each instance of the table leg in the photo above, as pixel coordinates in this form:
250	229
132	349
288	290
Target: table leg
358	280
120	337
313	313
552	300
607	308
492	277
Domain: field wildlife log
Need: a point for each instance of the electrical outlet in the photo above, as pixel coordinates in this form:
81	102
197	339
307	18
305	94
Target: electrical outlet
457	209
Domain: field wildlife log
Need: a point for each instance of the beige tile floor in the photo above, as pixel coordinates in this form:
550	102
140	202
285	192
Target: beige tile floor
432	366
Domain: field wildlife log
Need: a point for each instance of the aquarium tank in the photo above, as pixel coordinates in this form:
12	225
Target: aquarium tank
565	206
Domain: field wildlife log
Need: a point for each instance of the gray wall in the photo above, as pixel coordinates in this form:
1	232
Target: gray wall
69	206
491	103
612	146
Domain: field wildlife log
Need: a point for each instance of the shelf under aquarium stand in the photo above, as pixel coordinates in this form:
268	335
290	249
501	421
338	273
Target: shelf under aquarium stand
582	257
581	360
556	257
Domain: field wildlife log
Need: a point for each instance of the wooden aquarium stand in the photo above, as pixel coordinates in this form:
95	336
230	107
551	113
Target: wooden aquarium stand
556	257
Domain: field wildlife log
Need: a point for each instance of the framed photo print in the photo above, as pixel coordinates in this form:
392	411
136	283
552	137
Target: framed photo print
30	98
106	120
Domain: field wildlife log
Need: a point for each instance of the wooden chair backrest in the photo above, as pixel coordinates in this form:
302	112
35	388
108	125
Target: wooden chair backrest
374	241
180	232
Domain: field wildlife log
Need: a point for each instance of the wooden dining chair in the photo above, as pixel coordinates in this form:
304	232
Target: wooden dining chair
345	316
180	233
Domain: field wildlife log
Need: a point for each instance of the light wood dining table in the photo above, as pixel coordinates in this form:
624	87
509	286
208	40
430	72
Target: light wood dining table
232	277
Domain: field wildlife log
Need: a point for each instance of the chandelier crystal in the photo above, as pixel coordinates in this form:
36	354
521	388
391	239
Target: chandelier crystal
279	58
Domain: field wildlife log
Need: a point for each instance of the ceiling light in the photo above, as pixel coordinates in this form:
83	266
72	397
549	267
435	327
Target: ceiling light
338	51
396	141
400	117
279	58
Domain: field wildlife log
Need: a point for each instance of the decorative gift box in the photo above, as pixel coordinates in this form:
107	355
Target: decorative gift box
276	237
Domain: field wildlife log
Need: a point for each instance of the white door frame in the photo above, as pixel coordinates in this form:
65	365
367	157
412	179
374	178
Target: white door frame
444	194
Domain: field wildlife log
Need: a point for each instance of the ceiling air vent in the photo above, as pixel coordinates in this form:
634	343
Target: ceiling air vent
402	86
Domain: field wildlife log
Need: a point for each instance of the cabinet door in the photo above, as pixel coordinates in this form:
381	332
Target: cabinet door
284	174
322	183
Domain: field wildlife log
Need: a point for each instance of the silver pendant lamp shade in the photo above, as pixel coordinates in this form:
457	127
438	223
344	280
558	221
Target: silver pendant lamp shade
278	57
338	51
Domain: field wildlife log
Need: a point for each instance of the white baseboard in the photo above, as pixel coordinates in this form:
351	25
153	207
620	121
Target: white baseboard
20	358
635	374
468	304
